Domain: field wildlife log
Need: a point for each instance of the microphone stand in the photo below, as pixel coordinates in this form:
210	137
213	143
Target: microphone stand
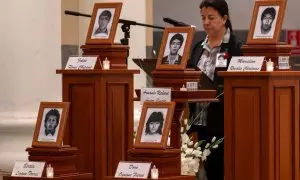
125	25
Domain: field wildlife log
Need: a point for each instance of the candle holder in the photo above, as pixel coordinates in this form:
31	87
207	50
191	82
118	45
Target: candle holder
49	171
269	65
154	173
106	64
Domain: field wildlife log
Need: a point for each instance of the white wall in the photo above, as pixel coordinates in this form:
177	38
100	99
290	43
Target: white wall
240	12
30	52
134	10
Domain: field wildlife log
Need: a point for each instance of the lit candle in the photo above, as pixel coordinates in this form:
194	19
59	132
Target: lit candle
154	173
183	88
270	65
106	64
49	171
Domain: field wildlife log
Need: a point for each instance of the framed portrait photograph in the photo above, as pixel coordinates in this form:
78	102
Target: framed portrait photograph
154	125
104	22
266	22
175	48
50	124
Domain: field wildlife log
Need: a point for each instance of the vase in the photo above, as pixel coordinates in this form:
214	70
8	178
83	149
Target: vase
201	174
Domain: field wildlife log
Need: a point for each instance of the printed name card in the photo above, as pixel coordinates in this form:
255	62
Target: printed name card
82	63
28	169
133	170
283	62
155	94
246	63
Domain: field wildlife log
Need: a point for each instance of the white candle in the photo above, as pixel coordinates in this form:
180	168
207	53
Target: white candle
154	173
183	88
49	171
106	64
269	65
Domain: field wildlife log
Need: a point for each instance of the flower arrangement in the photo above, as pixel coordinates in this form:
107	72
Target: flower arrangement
193	154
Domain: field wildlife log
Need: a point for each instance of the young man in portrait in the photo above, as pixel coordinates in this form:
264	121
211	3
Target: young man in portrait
103	21
174	45
267	18
51	122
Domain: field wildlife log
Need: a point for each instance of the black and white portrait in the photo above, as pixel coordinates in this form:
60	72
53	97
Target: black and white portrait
103	23
154	124
50	125
174	48
266	22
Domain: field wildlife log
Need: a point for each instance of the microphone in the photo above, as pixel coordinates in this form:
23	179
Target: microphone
174	22
73	13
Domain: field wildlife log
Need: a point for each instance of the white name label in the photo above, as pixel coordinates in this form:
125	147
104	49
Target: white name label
133	170
28	169
283	62
192	86
83	63
246	63
155	94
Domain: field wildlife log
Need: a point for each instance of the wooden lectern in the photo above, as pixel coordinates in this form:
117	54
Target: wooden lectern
261	125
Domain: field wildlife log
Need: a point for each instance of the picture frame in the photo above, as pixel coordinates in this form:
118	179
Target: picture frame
155	124
104	22
50	124
175	48
266	23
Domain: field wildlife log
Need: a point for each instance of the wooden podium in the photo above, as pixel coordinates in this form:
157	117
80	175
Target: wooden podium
101	117
261	125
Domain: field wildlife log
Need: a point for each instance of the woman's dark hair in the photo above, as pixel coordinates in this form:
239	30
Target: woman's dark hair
220	6
155	117
52	112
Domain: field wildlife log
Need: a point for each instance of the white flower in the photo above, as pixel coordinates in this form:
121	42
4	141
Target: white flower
185	121
215	146
188	127
199	148
185	138
213	139
197	153
207	145
184	147
196	144
191	143
181	129
206	153
189	151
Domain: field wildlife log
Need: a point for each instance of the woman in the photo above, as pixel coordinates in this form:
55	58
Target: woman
154	126
219	41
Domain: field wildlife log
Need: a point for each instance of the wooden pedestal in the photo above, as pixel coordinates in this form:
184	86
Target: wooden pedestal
261	125
100	119
269	51
117	54
62	160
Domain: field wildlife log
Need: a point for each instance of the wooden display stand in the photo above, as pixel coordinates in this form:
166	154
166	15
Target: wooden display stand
101	117
269	51
261	125
169	161
117	54
62	160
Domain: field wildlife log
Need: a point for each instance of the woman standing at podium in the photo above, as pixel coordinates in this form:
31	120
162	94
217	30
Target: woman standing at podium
207	119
